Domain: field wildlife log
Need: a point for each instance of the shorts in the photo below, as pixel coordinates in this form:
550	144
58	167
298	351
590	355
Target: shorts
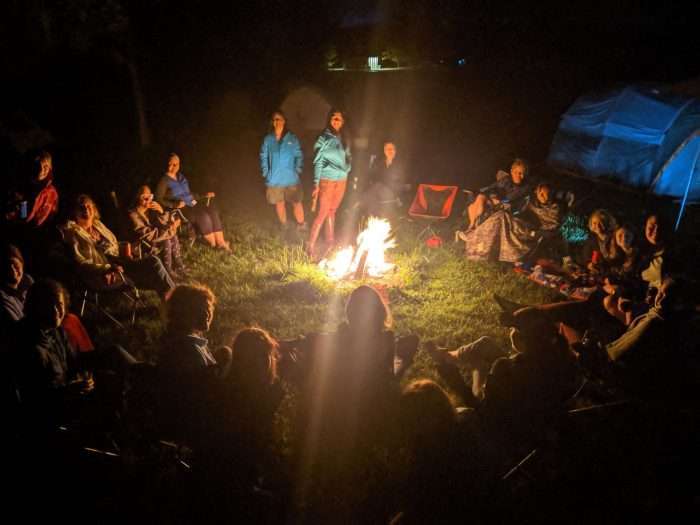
277	194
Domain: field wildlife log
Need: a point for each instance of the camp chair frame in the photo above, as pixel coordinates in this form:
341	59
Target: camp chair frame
90	296
419	206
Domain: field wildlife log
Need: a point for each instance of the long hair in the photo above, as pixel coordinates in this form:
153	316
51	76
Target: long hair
367	308
255	356
427	412
332	112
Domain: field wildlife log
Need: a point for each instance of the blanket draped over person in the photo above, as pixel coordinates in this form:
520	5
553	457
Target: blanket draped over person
501	237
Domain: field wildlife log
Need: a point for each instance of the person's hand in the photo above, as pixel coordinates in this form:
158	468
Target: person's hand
180	204
209	194
176	223
84	383
153	205
113	275
495	200
314	194
194	202
662	292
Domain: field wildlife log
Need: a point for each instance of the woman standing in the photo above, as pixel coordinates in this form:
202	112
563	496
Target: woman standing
281	162
174	192
332	163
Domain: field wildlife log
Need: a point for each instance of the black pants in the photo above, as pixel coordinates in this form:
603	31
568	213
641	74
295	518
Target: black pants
205	218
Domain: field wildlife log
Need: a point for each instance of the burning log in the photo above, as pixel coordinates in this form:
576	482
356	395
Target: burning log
368	258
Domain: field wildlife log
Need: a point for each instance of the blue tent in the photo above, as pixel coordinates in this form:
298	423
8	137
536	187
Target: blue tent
641	136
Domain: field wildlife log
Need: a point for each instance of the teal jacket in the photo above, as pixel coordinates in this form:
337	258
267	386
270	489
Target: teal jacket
332	160
281	161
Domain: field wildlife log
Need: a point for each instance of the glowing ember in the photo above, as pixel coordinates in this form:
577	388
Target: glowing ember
368	258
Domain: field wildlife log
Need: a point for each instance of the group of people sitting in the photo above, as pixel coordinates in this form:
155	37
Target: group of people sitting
363	448
509	219
144	253
375	448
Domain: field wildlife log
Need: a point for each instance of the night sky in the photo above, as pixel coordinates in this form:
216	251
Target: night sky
64	65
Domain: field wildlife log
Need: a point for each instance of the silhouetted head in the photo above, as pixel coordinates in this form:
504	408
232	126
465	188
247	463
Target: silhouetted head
367	311
190	308
255	355
426	412
47	303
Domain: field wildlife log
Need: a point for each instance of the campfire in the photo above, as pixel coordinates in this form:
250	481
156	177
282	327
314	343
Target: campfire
367	259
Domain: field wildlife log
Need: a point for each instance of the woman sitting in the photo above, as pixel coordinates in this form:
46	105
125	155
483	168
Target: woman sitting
155	231
239	451
189	371
32	208
658	260
174	192
349	394
600	253
388	184
36	201
506	191
96	251
14	286
48	364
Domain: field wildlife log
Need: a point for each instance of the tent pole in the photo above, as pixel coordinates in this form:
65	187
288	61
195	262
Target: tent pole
687	190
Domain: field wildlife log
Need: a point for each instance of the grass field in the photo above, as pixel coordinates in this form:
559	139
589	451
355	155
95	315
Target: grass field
269	282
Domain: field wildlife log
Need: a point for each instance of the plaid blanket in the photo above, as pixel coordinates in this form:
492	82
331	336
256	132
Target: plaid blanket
501	237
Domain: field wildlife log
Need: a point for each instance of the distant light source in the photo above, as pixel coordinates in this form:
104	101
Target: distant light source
461	62
373	63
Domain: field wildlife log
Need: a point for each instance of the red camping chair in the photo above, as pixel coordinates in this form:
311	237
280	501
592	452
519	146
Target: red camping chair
432	203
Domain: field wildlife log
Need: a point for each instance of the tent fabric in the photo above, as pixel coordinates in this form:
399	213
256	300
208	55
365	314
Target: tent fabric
639	135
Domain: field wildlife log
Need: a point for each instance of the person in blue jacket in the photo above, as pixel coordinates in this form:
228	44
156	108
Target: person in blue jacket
173	192
281	162
332	164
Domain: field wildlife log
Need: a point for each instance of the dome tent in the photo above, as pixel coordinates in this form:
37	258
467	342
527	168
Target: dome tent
642	136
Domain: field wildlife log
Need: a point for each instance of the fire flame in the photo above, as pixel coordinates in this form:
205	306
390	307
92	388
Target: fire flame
372	242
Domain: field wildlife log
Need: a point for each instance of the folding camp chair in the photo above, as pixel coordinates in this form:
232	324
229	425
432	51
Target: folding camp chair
432	203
